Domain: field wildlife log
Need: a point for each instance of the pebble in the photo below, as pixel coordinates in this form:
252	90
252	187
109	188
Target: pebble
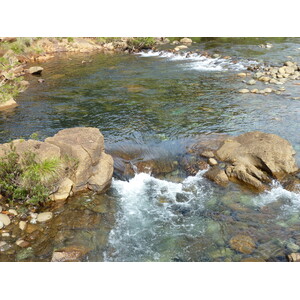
0	208
45	216
4	219
33	215
251	82
255	91
22	243
268	90
5	234
1	225
212	161
13	212
244	91
242	74
22	225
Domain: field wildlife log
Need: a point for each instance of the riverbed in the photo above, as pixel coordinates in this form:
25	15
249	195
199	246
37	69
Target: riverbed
156	103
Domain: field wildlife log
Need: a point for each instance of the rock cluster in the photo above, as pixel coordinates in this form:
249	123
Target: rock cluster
271	75
252	159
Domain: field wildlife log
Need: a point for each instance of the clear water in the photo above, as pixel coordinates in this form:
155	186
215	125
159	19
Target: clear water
153	105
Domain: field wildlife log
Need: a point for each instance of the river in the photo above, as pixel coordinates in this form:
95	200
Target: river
156	103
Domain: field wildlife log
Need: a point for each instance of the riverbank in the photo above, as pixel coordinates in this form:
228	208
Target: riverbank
16	53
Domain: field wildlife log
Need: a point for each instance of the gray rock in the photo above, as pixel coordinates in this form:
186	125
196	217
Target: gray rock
293	247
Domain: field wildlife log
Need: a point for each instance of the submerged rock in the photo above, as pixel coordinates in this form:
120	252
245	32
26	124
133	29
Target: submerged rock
242	243
44	217
69	254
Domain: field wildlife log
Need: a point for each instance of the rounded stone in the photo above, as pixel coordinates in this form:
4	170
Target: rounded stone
1	225
212	161
244	91
251	82
242	243
4	219
44	217
13	212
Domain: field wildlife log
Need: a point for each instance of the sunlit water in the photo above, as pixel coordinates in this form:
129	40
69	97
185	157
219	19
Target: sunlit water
155	103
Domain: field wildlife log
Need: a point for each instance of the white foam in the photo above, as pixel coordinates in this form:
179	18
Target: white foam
200	62
149	213
275	194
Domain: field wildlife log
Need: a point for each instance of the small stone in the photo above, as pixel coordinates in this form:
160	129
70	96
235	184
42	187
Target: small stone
13	212
22	243
282	89
0	208
4	219
186	41
33	215
180	47
289	64
268	90
212	162
243	91
242	75
4	246
22	225
35	70
1	225
5	234
207	153
255	91
294	257
273	81
251	82
41	80
265	78
278	93
45	216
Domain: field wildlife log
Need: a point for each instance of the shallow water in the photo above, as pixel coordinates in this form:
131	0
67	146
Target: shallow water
154	104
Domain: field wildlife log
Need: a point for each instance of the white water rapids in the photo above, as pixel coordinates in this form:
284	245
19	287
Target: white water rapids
200	62
157	219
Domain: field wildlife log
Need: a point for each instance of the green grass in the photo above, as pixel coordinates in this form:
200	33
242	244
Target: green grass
26	180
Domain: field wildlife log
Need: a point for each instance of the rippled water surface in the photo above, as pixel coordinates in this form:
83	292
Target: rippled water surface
161	102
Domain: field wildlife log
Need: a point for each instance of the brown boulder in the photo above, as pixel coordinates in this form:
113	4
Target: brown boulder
256	158
86	145
217	175
41	150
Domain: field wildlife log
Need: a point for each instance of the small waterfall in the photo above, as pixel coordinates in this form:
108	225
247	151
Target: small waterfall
201	62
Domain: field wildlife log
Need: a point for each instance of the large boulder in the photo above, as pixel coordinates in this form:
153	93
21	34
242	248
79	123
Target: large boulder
41	150
83	164
255	158
85	145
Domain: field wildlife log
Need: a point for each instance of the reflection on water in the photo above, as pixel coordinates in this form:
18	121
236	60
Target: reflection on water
151	106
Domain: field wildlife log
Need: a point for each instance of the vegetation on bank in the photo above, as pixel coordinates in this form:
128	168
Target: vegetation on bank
25	180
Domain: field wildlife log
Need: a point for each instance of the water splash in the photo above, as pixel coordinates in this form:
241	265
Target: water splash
153	215
200	62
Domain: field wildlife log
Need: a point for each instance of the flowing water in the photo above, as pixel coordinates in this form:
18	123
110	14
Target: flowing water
151	105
